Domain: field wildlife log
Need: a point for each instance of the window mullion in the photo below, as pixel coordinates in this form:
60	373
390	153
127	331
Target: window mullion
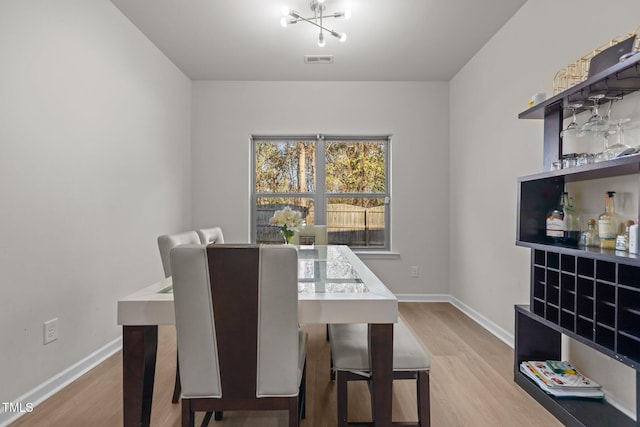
320	197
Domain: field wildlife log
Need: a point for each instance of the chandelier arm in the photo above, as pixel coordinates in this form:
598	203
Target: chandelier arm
300	18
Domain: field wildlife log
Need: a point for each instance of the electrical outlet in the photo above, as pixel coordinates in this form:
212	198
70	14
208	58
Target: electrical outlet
50	328
413	271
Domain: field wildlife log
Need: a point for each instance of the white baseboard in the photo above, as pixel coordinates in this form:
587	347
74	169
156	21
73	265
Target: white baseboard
490	326
54	384
423	297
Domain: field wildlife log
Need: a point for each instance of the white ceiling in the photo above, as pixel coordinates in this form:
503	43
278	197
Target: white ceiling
392	40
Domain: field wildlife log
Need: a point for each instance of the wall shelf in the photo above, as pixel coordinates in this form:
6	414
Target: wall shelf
619	80
626	165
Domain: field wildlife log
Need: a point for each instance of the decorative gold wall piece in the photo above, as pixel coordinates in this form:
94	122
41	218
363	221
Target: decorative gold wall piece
577	72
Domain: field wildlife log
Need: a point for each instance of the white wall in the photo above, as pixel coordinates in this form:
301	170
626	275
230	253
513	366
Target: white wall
94	165
226	114
490	148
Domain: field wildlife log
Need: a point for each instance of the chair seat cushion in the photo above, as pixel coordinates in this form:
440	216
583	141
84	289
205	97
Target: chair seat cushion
349	348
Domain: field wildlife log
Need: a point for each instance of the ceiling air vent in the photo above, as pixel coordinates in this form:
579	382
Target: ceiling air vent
318	59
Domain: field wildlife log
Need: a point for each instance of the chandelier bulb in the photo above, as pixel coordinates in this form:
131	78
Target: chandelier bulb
284	21
342	37
347	14
320	1
321	41
285	10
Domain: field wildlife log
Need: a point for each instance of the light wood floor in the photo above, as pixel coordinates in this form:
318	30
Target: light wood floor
471	384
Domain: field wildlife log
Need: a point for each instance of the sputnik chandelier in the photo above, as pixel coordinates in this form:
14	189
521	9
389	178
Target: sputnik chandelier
318	9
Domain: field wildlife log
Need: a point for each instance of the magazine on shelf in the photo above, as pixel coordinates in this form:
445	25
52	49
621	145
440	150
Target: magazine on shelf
561	367
559	380
590	393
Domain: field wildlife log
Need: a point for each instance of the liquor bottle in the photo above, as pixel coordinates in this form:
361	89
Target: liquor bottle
555	223
590	237
622	240
562	225
571	224
608	223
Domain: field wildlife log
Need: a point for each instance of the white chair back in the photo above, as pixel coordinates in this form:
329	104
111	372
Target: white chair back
170	241
237	320
210	235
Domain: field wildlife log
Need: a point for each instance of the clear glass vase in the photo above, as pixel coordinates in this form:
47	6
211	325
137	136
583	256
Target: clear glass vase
287	235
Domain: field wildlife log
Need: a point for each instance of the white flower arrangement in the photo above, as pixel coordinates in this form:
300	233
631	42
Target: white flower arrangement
288	220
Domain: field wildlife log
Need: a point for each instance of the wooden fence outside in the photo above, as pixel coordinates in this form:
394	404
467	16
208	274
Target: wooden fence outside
346	224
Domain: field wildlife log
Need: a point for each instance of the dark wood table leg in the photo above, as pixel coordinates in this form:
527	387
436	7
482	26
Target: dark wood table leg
139	348
381	362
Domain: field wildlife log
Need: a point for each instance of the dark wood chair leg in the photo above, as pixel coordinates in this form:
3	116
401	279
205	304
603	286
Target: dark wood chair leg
342	399
206	419
424	399
293	412
188	417
332	372
177	388
218	415
302	393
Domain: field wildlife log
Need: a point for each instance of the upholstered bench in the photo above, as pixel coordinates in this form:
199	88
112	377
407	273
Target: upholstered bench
350	361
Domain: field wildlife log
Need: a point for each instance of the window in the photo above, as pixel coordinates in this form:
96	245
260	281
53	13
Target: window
340	182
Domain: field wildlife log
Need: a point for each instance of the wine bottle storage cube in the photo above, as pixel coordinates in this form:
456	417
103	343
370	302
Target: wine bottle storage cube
584	327
568	290
606	271
553	260
553	287
629	276
568	263
629	322
595	299
539	283
605	336
585	266
567	320
605	312
585	298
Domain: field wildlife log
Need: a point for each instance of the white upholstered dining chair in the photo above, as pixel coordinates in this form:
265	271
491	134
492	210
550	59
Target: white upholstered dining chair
239	344
210	235
350	362
167	242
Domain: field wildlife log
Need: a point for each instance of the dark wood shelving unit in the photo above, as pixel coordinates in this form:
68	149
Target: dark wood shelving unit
591	295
